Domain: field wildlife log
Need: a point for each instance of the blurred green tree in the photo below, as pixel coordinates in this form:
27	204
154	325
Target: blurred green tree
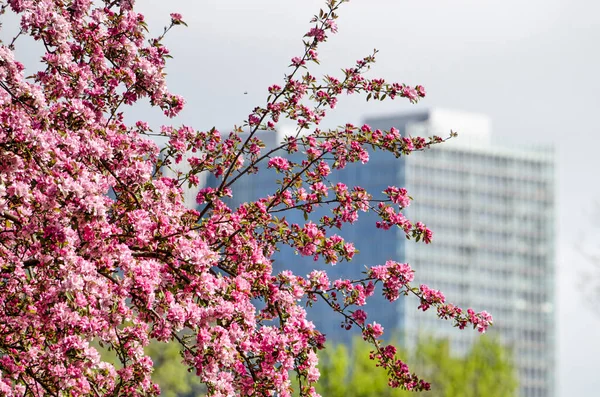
486	370
169	373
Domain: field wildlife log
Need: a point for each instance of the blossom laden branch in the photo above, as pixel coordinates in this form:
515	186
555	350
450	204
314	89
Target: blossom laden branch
96	243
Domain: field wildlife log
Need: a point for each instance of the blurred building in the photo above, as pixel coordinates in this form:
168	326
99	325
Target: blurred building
178	171
491	208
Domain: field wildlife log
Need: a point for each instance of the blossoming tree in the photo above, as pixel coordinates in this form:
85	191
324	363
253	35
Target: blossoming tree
97	247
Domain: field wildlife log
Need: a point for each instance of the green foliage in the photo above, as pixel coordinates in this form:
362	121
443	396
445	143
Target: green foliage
486	370
489	371
171	374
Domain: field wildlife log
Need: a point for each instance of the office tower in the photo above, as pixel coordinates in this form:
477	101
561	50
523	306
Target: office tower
491	208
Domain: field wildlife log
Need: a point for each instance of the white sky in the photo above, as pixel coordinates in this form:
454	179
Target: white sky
533	66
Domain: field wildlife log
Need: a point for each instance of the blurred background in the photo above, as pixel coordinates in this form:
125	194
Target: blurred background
531	67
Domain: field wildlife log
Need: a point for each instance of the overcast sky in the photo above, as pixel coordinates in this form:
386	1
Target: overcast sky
532	66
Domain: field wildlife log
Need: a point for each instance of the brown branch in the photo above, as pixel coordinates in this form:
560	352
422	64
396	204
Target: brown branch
11	217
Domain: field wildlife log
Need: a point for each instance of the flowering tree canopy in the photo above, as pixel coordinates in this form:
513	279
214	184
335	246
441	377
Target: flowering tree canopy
98	248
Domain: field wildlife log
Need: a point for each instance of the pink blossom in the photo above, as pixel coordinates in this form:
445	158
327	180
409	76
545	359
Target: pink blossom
253	119
359	316
319	188
176	18
297	61
398	196
331	25
279	163
429	297
374	330
317	33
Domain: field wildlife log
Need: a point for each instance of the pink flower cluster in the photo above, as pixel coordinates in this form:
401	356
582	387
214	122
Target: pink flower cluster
430	297
395	276
481	321
398	196
279	163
